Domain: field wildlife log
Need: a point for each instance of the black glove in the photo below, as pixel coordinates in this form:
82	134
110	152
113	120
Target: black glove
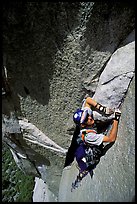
117	114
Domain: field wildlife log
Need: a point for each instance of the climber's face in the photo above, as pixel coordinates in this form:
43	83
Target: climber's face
90	121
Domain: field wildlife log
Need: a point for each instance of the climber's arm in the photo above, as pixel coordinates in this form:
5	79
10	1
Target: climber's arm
90	102
101	109
113	133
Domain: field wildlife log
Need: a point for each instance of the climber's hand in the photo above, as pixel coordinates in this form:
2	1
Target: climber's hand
108	111
117	114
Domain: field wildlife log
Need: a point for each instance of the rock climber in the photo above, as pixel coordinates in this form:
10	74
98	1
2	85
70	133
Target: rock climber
87	157
85	136
88	105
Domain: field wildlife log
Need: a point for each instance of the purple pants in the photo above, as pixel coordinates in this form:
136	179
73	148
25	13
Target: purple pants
79	154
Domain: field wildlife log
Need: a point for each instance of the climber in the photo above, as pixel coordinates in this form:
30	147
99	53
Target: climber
88	104
90	143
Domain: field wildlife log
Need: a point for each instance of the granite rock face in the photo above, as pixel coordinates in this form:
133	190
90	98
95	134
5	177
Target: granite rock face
54	54
111	180
117	75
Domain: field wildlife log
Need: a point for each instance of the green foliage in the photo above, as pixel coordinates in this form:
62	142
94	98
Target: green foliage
16	186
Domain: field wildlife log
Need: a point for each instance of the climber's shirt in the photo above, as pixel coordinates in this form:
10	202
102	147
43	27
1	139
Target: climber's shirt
90	137
94	138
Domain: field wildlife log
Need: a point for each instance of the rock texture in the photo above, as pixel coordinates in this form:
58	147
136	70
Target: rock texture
111	180
42	193
53	54
117	75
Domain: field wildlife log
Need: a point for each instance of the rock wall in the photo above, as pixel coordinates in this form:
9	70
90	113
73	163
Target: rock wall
54	54
111	181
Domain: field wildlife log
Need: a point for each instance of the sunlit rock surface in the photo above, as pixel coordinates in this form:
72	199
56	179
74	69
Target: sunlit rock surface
61	52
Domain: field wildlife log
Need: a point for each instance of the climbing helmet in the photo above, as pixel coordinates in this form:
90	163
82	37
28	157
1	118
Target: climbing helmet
77	116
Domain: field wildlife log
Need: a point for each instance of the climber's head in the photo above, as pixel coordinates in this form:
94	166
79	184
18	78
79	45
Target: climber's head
83	117
77	116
